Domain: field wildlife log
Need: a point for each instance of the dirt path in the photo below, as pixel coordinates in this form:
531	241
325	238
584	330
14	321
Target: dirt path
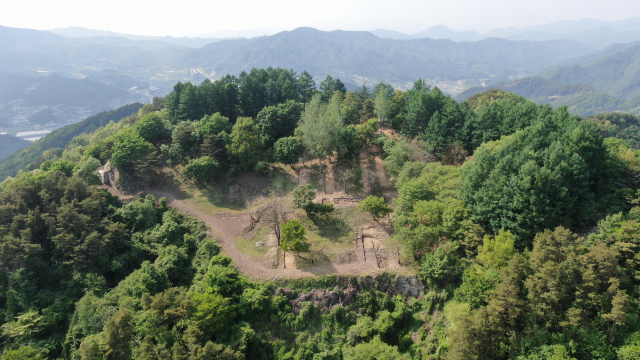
226	226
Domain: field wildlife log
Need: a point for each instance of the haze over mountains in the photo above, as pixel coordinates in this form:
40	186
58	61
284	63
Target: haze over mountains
48	80
595	33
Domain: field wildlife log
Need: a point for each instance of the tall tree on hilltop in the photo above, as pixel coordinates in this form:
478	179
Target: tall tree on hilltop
306	87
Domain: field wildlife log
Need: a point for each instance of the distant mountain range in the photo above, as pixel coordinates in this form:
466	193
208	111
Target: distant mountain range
363	57
597	34
610	83
47	78
80	32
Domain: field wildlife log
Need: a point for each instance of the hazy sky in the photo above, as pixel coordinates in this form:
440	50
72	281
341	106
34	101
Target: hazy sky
179	17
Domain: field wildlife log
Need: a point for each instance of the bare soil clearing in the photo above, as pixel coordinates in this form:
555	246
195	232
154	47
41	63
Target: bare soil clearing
256	254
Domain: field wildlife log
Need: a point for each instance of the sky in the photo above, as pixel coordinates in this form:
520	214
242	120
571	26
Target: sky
190	17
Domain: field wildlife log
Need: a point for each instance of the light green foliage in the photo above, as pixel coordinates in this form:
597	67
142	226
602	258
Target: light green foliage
496	251
368	129
213	313
23	353
23	327
439	267
548	352
619	125
376	206
321	126
427	208
202	169
294	237
399	152
83	276
475	286
86	170
303	195
151	127
128	147
214	125
246	145
64	166
374	350
631	350
382	104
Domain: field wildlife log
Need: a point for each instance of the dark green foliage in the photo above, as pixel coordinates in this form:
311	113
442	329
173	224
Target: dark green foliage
318	211
552	173
619	125
267	87
288	150
66	232
329	86
278	121
83	276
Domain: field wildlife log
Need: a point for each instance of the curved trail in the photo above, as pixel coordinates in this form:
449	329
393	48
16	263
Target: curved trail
221	224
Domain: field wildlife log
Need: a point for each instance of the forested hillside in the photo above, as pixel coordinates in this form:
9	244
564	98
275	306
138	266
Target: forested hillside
10	144
504	229
594	84
54	142
389	60
579	98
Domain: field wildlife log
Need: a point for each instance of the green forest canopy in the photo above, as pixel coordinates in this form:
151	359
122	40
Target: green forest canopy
521	218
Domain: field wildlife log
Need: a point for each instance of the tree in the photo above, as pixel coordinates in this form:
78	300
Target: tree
225	97
350	145
329	86
275	216
86	170
294	238
549	174
382	105
129	147
119	331
190	107
288	150
202	169
306	87
376	349
375	206
367	110
213	313
321	126
214	125
151	128
246	145
368	129
497	250
303	195
278	121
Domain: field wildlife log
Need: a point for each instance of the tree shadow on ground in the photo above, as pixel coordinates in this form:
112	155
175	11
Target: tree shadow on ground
332	227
